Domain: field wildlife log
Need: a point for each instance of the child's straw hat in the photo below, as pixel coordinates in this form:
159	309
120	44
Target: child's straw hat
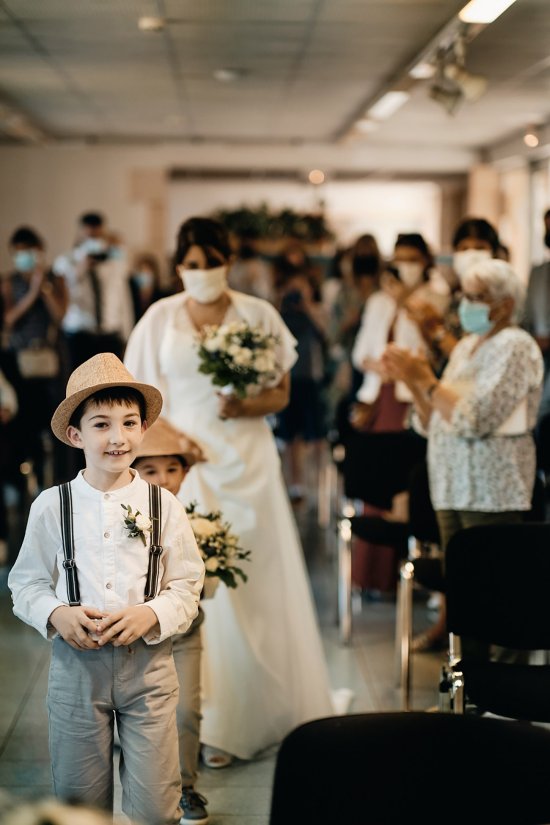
163	439
98	373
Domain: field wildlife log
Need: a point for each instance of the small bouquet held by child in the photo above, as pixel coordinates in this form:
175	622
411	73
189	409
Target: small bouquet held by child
219	547
239	358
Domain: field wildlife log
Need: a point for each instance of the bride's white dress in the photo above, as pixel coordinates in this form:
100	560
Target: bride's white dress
264	668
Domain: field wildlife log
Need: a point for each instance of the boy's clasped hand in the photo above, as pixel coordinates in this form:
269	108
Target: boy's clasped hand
86	628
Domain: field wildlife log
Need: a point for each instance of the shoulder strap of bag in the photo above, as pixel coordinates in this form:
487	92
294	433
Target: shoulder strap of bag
67	537
155	550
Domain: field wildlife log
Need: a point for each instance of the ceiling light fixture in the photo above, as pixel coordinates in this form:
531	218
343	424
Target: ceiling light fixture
365	125
531	139
483	11
422	71
388	104
151	24
228	75
316	177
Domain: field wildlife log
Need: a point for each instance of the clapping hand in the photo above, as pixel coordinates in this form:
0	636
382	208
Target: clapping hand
403	365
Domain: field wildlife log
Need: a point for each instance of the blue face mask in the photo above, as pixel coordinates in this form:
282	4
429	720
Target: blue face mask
25	260
144	280
474	317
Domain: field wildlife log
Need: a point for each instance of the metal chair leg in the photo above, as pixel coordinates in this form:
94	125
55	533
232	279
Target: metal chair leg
344	579
457	692
404	633
324	492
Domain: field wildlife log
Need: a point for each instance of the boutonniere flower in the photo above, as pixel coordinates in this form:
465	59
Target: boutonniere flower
137	524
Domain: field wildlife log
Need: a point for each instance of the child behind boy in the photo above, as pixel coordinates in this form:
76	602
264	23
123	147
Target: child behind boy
163	459
111	604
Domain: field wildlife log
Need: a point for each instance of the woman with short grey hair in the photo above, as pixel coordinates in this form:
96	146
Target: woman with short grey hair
480	415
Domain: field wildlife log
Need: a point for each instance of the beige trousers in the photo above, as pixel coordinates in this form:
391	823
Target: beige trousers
86	690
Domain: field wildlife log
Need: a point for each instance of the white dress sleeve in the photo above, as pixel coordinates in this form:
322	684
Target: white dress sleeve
143	348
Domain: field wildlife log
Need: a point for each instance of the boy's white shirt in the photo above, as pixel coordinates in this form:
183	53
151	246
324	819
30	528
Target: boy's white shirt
111	566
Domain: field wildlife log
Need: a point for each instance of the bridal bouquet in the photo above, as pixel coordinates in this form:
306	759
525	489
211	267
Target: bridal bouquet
238	357
219	547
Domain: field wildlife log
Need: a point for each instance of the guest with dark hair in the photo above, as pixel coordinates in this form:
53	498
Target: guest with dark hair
145	284
249	272
34	303
99	313
537	304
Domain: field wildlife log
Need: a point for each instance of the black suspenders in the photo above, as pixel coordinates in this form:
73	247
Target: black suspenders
67	537
155	514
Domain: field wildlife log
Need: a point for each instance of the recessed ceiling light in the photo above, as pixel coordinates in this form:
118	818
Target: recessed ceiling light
151	24
227	75
388	105
365	125
483	11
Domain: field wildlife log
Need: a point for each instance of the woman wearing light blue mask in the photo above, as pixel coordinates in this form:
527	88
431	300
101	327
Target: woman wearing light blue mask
480	415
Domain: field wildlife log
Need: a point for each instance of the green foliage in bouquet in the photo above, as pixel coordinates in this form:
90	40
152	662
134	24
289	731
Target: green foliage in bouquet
219	547
239	356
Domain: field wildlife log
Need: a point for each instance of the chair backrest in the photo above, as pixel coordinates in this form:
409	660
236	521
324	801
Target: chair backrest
498	585
398	768
377	465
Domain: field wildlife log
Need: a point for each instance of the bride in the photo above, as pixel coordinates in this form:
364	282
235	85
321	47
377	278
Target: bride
264	669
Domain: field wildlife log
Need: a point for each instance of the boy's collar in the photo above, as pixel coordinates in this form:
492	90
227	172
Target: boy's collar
86	489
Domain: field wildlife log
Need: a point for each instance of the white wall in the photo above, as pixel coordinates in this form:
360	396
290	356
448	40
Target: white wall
49	187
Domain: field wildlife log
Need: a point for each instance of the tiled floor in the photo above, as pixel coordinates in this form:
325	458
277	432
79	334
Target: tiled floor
239	794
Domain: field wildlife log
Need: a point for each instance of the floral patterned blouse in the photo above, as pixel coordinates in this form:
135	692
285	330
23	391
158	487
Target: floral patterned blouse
483	459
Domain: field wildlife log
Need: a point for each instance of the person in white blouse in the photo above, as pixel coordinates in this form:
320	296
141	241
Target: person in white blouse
480	415
383	404
264	668
110	603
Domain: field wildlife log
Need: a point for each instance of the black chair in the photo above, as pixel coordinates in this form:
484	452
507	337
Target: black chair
497	584
375	467
397	768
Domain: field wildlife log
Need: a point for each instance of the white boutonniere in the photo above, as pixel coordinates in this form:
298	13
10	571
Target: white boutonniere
136	523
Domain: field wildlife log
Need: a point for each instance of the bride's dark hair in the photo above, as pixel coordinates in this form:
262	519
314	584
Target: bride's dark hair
204	232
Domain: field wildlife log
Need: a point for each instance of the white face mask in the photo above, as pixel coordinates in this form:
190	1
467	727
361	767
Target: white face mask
204	285
467	258
410	272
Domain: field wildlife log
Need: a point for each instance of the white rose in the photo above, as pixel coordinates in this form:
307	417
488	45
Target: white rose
243	357
261	363
203	527
211	564
143	523
213	344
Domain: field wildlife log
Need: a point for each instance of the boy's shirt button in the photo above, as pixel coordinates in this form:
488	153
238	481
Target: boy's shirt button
108	585
106	535
106	495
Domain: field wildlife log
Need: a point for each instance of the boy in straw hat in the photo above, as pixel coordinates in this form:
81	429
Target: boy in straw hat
163	458
110	570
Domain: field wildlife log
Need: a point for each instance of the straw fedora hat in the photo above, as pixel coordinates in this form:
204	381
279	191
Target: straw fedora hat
98	373
163	439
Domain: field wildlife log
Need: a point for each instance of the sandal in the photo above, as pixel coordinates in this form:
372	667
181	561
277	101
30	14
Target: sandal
215	758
